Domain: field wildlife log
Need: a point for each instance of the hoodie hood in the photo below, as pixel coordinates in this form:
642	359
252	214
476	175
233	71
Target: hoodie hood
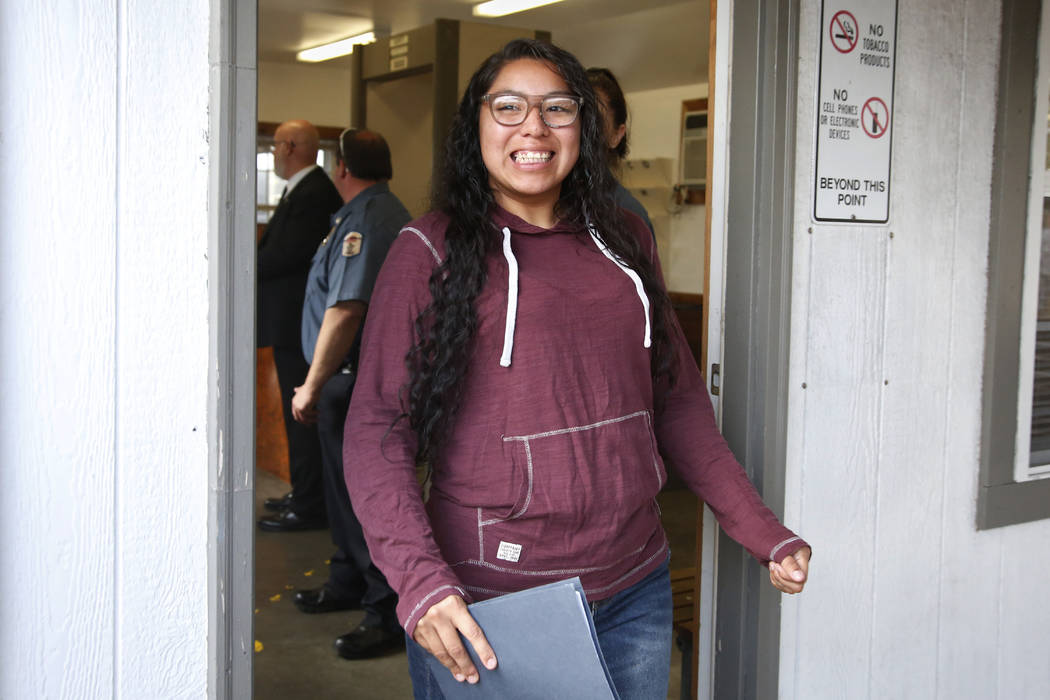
509	224
504	219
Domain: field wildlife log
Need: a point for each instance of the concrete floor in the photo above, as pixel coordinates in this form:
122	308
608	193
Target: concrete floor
294	655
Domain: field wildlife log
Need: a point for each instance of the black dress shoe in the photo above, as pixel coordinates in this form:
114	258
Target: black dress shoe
279	504
321	600
291	521
369	642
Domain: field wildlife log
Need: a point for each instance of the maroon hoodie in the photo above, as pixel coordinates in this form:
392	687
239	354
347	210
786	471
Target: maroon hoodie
553	463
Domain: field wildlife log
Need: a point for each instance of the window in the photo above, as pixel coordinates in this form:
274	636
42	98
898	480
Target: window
268	186
1033	448
1015	446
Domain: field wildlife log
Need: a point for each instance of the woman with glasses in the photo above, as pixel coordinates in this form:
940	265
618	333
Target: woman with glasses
614	119
520	343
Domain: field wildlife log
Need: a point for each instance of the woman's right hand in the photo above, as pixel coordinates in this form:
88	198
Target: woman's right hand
438	632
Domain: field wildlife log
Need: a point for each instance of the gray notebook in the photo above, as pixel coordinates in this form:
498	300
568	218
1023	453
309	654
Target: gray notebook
546	646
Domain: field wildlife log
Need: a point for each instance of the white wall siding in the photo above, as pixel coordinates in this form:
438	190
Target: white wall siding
915	346
103	339
162	351
907	600
57	271
969	625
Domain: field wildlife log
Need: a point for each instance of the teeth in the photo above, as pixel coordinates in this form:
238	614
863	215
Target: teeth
532	156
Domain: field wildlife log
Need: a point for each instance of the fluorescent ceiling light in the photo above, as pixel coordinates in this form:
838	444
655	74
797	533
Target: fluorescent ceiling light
335	49
498	8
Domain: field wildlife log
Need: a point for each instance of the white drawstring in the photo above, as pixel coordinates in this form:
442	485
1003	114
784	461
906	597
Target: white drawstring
639	288
512	299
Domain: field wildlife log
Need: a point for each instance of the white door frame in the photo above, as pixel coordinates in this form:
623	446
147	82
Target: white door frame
756	220
231	348
717	199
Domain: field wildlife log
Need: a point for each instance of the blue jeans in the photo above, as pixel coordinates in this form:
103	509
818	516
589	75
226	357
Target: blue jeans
634	633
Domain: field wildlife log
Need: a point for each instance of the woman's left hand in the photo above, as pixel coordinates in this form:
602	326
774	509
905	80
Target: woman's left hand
791	574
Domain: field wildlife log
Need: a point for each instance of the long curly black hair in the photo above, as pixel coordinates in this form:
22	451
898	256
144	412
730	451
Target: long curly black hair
445	328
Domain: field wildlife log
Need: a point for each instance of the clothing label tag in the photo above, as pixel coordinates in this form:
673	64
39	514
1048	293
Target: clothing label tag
508	551
351	244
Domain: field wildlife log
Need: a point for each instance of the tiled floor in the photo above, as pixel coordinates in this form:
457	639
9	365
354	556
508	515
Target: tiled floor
294	655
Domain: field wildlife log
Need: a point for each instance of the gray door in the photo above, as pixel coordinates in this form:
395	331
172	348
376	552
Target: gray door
757	307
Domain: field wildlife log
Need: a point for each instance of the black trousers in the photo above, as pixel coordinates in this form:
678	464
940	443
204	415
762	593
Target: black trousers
351	572
304	447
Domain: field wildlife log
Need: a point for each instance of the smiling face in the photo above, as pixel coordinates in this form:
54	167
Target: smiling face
527	163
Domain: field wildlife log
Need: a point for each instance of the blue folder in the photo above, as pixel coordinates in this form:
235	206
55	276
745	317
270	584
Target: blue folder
545	644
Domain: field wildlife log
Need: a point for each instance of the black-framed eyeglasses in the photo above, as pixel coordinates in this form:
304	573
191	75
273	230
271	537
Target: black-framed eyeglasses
512	108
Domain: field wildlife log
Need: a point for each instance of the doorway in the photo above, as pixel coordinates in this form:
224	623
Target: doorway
240	518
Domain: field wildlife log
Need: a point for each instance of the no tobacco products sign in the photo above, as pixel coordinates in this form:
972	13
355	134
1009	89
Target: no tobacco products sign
855	111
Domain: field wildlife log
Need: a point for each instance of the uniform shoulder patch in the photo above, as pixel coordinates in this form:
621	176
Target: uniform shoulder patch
352	244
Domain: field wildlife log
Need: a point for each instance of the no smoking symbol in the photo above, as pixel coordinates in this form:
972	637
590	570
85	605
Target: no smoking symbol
875	118
843	30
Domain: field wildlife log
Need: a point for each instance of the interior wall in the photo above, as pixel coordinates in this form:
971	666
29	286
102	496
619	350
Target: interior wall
477	42
655	123
104	339
319	93
403	111
907	598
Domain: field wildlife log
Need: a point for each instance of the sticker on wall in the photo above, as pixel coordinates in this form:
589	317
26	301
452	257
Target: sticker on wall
855	111
843	31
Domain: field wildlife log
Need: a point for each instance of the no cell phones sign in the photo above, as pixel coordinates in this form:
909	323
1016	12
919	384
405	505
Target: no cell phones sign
855	111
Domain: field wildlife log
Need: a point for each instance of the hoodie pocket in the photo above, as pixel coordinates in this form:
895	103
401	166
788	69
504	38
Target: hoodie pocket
579	485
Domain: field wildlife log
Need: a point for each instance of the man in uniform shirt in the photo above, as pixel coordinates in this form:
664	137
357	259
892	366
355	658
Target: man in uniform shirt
338	289
283	259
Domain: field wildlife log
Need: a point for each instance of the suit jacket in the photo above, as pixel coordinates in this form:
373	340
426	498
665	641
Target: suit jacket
283	257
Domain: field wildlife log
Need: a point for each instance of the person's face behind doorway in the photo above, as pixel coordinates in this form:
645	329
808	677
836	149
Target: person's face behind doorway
282	150
614	132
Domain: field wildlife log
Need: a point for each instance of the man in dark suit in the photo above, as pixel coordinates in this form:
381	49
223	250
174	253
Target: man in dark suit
299	223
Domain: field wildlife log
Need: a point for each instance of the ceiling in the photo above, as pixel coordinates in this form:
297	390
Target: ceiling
658	43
